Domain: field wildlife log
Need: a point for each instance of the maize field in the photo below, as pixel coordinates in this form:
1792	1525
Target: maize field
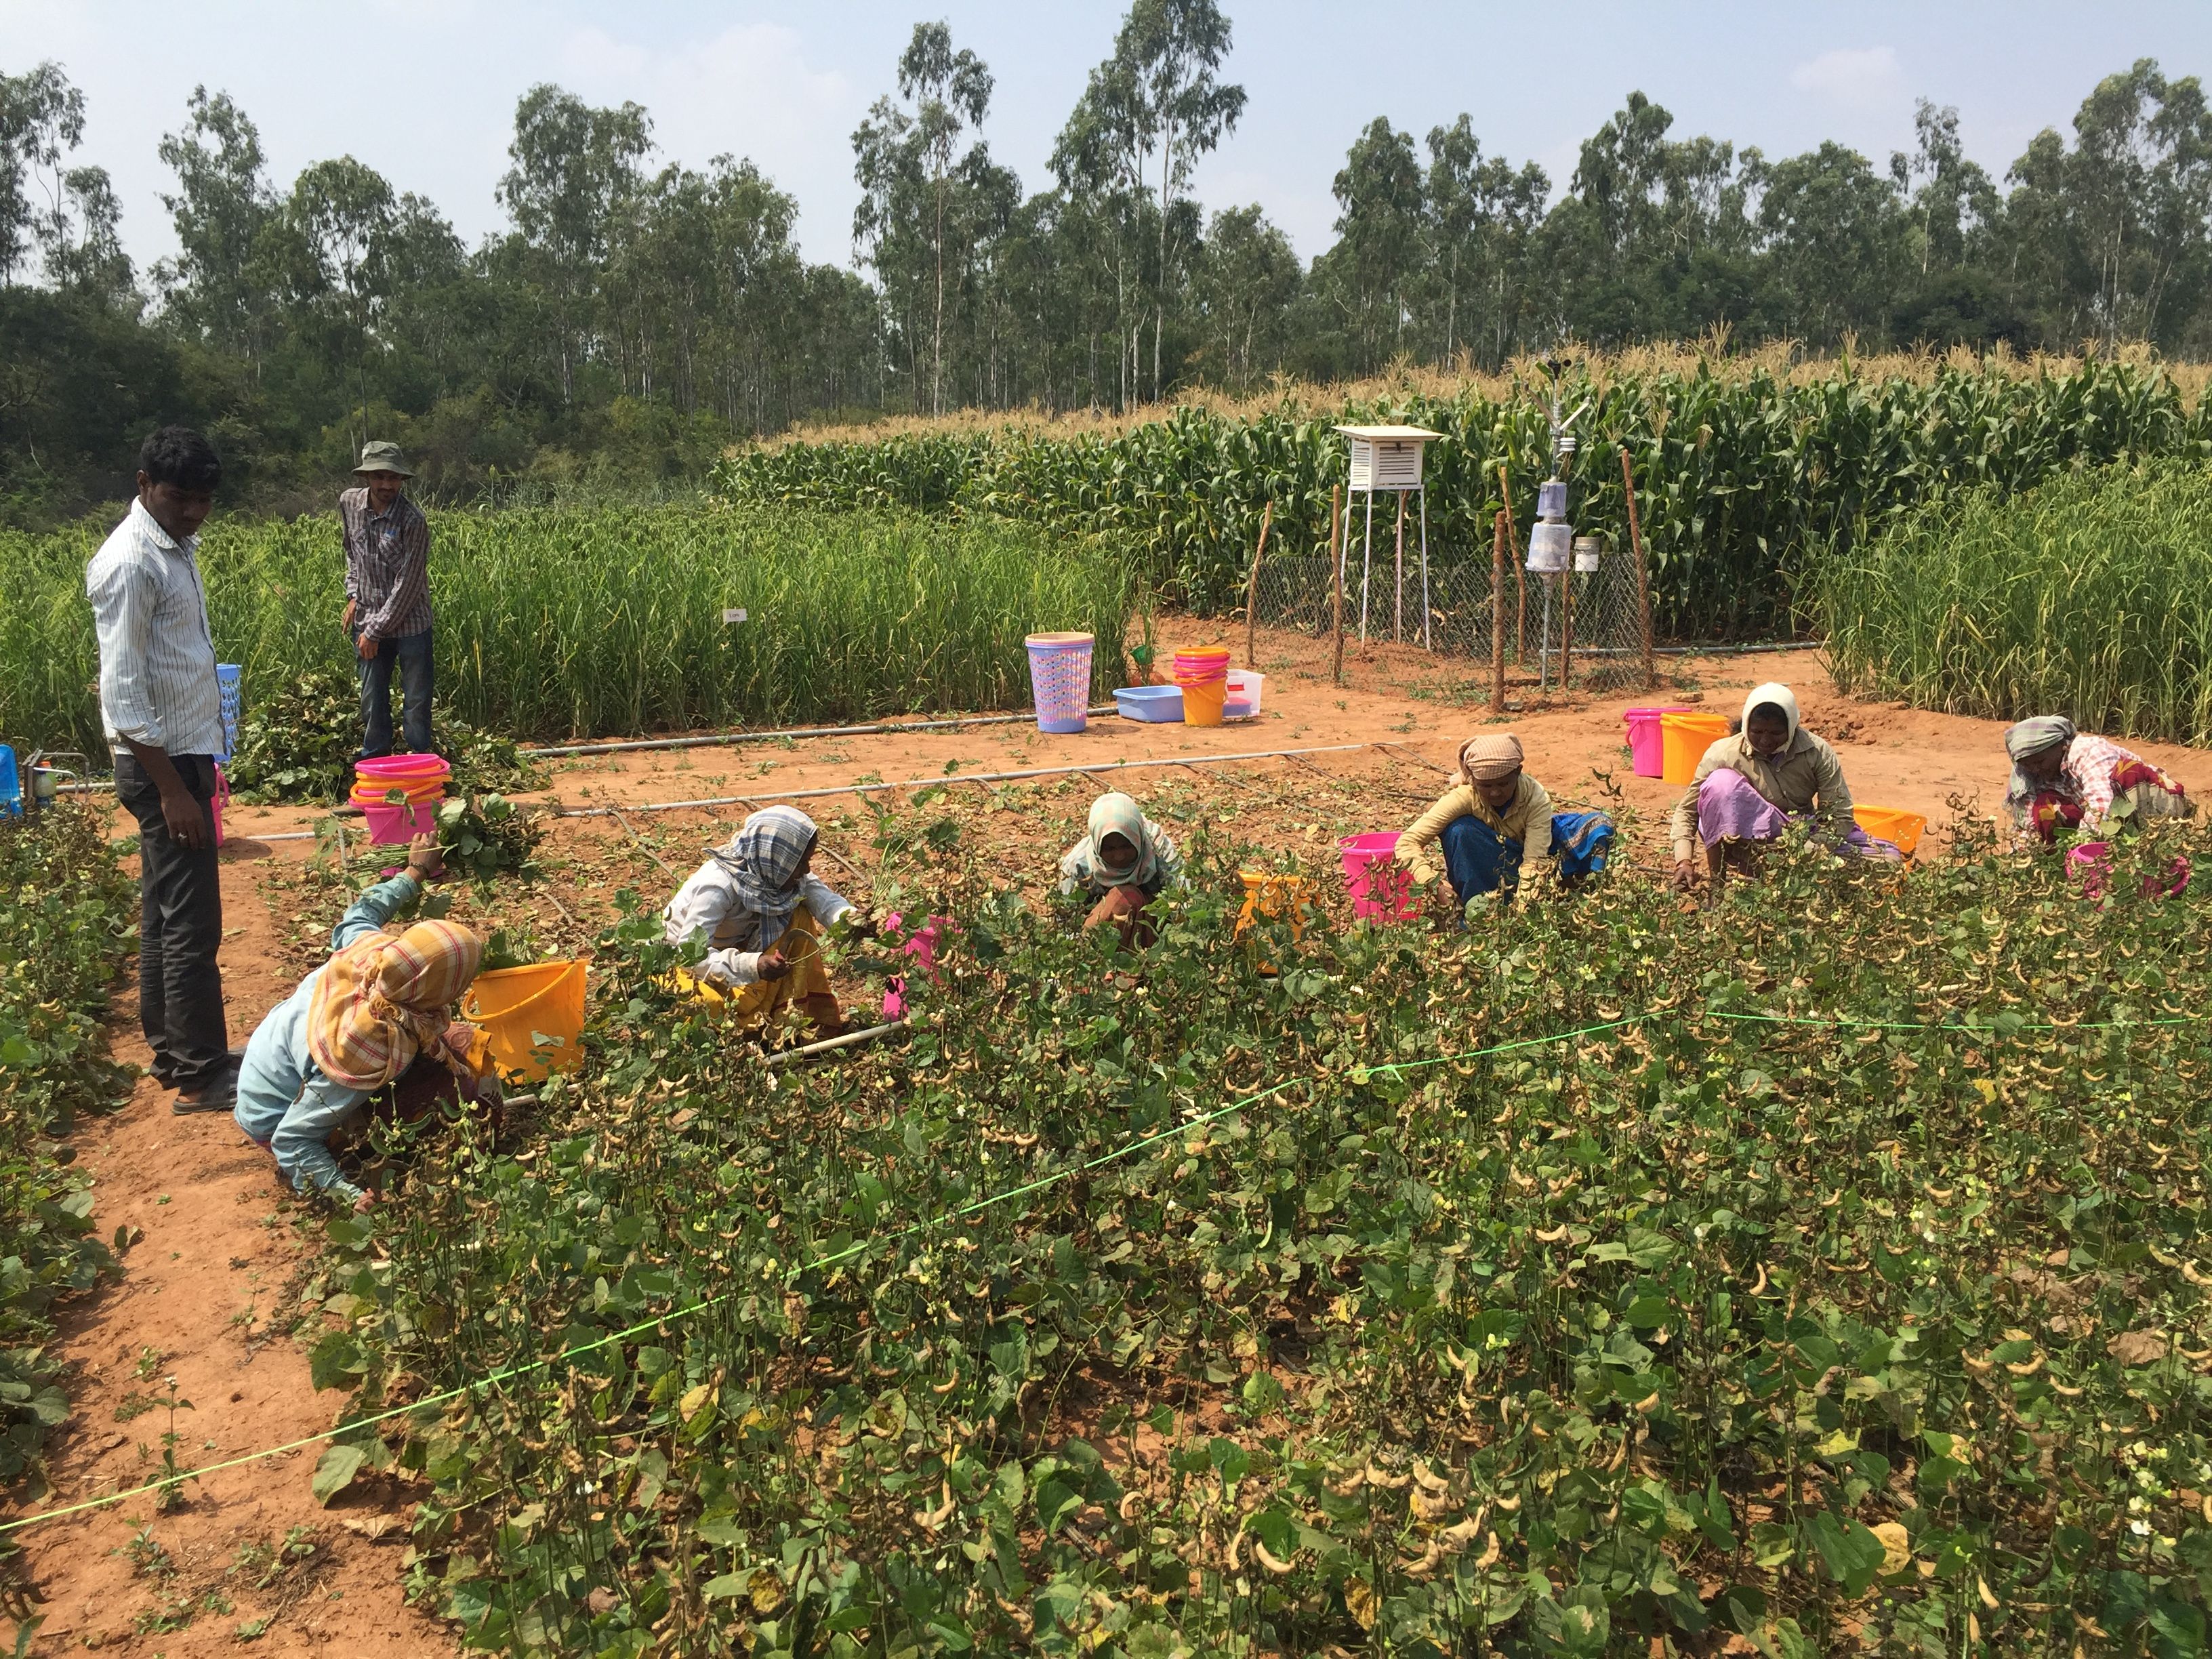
1741	472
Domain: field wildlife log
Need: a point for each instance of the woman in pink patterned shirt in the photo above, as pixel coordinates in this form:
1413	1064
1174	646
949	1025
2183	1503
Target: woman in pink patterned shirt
2063	778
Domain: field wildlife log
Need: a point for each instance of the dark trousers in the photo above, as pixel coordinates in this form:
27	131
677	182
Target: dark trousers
412	653
179	929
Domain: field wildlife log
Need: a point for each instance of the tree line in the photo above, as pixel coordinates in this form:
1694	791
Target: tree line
629	320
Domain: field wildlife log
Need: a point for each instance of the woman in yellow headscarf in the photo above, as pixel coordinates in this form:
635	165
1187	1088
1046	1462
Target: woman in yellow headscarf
356	1024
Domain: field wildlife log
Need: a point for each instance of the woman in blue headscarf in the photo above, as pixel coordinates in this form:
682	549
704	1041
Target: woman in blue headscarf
759	908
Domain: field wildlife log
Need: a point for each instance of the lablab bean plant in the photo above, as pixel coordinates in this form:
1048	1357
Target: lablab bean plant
1822	1273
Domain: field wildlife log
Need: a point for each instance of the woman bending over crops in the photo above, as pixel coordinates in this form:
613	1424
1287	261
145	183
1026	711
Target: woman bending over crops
2063	778
1753	784
1119	868
760	911
1481	826
374	1014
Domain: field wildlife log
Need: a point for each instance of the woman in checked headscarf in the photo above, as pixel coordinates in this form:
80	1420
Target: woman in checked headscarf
1482	826
2063	778
357	1024
760	911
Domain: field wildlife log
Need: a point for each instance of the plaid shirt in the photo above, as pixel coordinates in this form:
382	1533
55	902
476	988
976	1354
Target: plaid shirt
387	565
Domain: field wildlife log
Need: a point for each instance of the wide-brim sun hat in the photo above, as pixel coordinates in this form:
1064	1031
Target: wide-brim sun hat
383	457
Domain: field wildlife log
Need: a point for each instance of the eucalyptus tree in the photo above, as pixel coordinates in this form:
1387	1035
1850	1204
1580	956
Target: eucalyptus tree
1369	274
213	288
339	223
908	163
574	168
41	121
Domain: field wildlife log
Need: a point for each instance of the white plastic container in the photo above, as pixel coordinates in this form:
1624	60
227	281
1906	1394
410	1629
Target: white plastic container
1241	699
1548	546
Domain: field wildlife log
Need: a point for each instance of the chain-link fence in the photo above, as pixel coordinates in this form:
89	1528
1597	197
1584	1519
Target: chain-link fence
1295	593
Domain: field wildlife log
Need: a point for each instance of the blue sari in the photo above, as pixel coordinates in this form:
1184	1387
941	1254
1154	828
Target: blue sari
1480	860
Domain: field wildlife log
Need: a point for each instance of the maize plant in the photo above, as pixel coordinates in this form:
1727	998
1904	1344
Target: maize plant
1738	475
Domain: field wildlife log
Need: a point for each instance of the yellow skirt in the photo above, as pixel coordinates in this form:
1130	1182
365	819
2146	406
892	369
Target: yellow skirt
760	1002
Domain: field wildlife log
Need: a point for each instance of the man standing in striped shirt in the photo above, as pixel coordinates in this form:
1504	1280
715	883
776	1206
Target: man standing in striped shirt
163	712
387	614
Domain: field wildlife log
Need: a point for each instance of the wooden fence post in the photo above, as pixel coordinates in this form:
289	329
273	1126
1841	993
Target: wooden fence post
1336	569
1643	571
1497	616
1252	591
1520	580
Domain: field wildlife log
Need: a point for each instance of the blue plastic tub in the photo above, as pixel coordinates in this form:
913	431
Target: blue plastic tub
11	785
1162	705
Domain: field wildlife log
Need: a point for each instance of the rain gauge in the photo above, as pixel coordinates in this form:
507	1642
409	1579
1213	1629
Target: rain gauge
1553	547
1387	461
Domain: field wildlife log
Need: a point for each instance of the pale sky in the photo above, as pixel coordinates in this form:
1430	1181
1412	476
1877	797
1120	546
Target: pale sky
424	90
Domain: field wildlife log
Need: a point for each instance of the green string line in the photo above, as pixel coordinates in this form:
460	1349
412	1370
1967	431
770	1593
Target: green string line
977	1207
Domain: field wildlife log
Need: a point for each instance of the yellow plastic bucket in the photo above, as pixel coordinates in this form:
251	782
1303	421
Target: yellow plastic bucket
532	1017
1271	896
1890	823
1202	702
1683	740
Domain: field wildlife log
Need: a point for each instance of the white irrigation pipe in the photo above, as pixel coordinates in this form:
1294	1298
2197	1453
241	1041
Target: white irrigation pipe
794	731
906	783
950	778
829	1043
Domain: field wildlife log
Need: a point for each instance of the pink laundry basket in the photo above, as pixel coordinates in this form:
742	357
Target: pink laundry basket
1060	679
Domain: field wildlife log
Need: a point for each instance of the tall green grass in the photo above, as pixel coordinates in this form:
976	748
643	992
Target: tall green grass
556	623
2089	597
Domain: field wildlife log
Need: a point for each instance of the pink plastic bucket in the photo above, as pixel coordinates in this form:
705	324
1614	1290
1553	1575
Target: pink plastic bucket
1380	891
1645	746
390	826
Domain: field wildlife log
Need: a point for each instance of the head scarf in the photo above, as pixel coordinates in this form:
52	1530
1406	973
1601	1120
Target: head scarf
1782	698
1486	759
2028	740
382	1000
763	859
1117	814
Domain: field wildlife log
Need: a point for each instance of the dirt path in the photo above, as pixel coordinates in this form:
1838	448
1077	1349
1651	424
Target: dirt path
212	1290
209	1295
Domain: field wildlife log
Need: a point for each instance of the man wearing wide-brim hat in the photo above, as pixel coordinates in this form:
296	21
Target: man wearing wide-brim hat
387	613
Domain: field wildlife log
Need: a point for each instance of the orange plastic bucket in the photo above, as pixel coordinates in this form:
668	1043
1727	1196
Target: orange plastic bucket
1683	740
1889	823
532	1017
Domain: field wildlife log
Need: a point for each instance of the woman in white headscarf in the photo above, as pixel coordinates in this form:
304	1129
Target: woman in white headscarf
2063	778
760	911
1121	866
1753	783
